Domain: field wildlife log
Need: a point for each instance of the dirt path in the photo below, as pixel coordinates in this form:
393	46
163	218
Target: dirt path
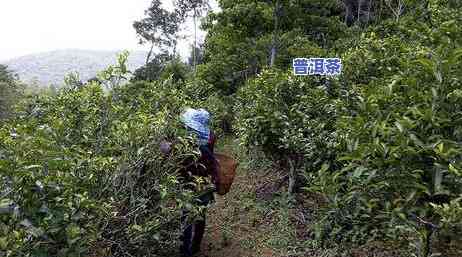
255	219
233	226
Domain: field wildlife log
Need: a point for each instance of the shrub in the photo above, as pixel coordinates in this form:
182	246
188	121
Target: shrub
399	142
291	119
81	173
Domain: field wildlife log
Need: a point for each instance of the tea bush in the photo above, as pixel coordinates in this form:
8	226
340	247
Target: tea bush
381	143
399	147
291	119
82	174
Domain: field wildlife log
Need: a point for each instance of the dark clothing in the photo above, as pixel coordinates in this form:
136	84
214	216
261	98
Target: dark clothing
209	161
193	233
206	166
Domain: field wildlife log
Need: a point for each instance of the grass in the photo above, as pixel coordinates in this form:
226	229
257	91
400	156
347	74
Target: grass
258	219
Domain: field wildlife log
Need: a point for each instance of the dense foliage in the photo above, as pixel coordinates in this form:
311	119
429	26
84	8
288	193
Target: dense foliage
249	35
381	143
82	173
300	128
10	91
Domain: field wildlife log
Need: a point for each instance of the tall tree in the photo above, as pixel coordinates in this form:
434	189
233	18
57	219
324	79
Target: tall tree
248	35
159	28
194	8
276	14
197	55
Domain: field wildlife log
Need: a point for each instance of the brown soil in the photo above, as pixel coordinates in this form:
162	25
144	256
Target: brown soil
234	229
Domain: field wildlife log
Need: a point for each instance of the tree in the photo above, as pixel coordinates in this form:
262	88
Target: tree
197	7
196	56
6	75
247	36
160	28
10	90
176	70
153	69
276	14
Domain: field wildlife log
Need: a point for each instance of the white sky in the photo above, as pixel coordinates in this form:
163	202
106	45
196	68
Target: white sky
31	26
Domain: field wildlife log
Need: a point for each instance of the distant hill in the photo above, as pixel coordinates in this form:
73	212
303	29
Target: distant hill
49	68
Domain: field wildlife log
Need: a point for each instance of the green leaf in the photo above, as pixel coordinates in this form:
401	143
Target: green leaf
30	167
427	64
454	170
399	126
137	227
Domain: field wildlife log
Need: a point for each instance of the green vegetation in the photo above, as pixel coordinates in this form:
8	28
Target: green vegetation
382	142
82	173
330	166
10	91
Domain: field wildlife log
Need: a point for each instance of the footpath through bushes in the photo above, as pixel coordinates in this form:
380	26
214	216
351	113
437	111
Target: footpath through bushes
81	173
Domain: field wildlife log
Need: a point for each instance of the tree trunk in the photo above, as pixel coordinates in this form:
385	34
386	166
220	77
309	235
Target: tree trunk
175	44
396	11
275	40
369	8
347	12
292	177
195	41
148	57
400	10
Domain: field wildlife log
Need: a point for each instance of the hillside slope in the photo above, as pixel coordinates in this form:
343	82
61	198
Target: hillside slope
50	67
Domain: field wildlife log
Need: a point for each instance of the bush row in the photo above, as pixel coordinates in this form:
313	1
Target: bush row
82	175
382	142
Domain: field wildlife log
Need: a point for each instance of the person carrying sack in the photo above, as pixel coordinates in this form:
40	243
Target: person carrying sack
197	124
